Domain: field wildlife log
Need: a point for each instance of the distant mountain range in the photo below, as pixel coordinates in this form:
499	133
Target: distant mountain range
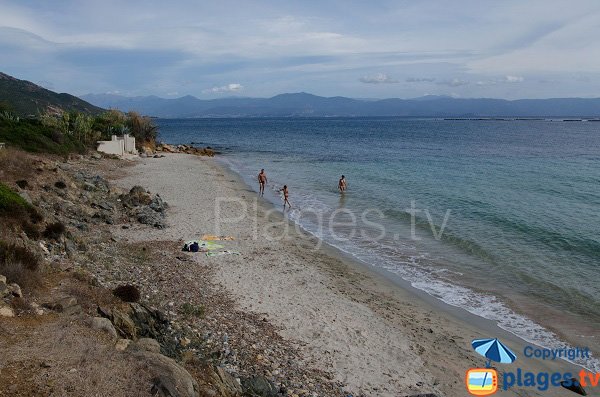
308	105
28	99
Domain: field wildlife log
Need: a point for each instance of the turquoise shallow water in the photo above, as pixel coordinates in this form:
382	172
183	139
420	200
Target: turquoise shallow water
520	243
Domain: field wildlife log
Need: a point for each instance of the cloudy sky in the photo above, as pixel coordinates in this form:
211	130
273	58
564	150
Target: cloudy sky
363	49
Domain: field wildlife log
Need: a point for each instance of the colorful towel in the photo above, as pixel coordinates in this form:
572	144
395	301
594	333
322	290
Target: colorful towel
212	237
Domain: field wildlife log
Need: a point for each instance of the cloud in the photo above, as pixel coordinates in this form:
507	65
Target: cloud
420	80
379	78
453	83
505	79
513	79
232	87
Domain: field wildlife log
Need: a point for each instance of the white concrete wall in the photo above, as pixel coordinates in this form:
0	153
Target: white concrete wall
129	144
114	146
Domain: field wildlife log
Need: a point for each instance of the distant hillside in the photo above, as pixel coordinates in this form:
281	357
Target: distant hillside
28	99
307	105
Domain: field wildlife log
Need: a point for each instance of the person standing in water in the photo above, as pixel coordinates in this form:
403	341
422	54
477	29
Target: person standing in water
262	181
285	197
342	184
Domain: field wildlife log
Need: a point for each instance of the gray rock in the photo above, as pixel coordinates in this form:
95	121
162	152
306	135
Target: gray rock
259	386
147	216
2	279
66	305
96	156
4	291
15	290
122	344
25	196
6	311
225	384
157	204
103	324
145	344
123	324
170	379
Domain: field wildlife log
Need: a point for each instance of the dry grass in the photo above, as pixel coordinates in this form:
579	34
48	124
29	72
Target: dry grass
16	165
57	356
20	266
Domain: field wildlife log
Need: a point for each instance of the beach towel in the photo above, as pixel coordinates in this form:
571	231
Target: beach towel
202	246
212	237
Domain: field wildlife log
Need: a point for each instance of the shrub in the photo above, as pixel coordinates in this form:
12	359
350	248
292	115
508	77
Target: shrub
22	183
189	310
127	293
31	230
54	230
10	201
19	265
60	185
14	253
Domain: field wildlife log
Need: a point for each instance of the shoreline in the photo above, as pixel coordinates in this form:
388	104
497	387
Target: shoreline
401	342
536	331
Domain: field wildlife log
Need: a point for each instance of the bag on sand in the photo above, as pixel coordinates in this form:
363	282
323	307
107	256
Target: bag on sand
192	246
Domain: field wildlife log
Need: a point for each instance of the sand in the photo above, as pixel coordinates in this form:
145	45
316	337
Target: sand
378	338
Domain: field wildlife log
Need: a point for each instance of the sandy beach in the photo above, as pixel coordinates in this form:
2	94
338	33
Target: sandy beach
375	337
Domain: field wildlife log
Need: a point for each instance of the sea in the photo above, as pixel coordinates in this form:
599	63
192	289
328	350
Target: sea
497	217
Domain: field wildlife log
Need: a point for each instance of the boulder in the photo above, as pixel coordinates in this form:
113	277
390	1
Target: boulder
2	279
15	290
147	216
225	384
145	344
157	204
103	324
6	311
170	379
64	305
122	344
124	325
259	386
4	291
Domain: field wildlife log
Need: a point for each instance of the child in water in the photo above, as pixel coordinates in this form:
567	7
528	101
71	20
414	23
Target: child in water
285	197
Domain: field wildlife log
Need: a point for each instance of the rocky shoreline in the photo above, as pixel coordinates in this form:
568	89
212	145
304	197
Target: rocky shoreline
192	339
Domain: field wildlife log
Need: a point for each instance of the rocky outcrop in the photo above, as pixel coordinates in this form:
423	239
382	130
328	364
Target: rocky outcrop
189	149
170	379
147	209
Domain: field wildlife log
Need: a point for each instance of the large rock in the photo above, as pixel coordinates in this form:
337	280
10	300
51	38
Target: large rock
67	305
103	324
225	384
145	344
4	291
15	290
6	311
124	324
148	216
157	204
170	379
258	386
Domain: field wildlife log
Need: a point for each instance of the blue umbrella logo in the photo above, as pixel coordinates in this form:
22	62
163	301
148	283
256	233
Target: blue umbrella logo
493	350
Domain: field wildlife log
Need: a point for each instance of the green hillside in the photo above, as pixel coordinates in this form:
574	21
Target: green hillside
27	99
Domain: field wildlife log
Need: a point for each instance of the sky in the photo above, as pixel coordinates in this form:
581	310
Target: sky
362	49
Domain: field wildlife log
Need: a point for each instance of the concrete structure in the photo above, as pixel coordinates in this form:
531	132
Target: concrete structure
120	146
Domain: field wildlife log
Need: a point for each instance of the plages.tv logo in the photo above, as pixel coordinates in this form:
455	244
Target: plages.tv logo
484	381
